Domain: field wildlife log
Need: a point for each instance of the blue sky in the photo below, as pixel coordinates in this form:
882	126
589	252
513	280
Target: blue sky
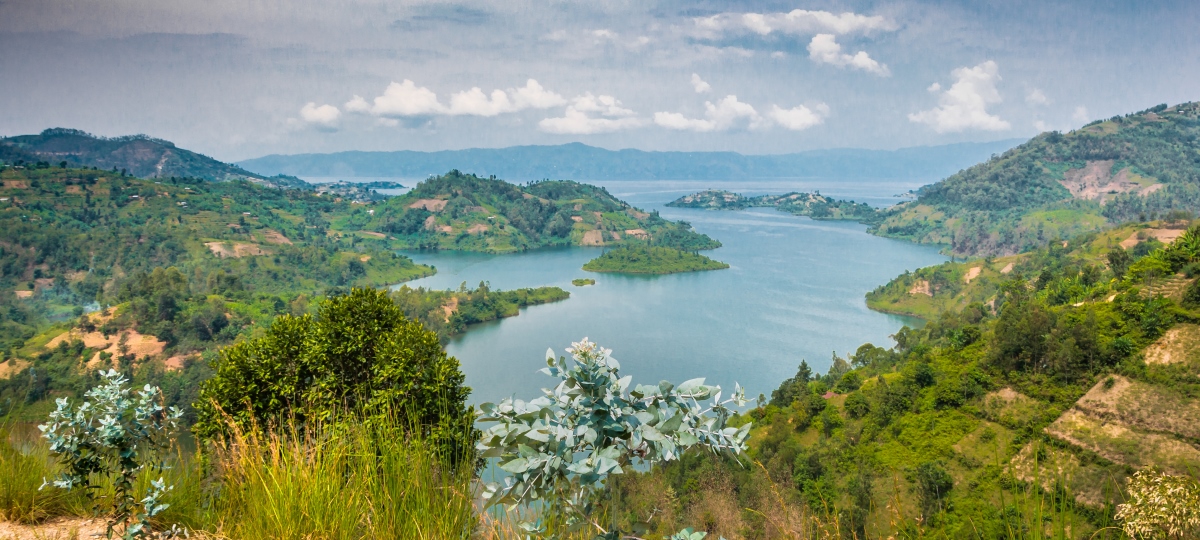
243	78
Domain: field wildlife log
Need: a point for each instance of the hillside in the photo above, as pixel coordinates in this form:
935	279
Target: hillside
813	205
579	161
465	212
1039	385
1128	168
137	155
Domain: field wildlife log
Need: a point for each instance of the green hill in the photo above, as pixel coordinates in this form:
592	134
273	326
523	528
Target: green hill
813	205
138	155
464	212
651	260
1058	185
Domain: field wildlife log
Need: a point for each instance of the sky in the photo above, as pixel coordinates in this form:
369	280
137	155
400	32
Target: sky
237	79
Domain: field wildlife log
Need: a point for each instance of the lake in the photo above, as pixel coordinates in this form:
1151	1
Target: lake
794	291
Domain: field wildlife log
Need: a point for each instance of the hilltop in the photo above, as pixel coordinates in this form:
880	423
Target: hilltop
138	155
465	212
1128	168
579	161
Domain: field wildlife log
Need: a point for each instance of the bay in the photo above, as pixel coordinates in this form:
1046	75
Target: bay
794	291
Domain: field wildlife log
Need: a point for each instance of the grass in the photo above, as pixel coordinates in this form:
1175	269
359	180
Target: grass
24	464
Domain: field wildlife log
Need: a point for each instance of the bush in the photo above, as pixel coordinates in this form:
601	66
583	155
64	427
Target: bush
111	439
359	354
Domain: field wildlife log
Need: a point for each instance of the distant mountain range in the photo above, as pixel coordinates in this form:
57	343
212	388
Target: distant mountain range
139	155
578	161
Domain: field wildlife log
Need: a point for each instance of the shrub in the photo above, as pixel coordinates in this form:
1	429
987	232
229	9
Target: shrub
359	353
112	438
1161	506
562	446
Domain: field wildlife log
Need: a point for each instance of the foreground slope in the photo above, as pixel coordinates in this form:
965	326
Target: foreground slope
1056	186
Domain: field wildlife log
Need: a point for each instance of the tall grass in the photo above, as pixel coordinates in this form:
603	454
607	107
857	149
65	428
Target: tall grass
24	463
338	481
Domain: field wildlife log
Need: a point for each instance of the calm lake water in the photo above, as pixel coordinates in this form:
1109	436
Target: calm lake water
794	291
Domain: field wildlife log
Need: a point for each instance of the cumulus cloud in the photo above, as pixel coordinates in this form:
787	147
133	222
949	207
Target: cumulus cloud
406	99
964	105
799	118
323	116
699	84
403	99
824	49
1036	97
589	114
795	22
728	113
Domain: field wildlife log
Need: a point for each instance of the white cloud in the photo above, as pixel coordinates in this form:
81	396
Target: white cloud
1081	114
799	118
475	103
964	105
795	22
590	114
406	99
533	96
699	84
602	104
357	104
1036	97
778	54
325	116
824	49
726	114
935	87
1040	126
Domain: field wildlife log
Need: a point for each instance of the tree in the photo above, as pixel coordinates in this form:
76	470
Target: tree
933	484
359	354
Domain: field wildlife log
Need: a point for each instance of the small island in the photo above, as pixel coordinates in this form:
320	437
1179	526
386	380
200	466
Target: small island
813	205
651	260
583	282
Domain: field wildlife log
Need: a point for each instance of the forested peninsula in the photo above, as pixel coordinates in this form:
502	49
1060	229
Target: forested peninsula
813	205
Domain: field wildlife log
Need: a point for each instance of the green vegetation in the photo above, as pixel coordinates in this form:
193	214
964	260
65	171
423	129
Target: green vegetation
651	260
136	155
583	282
1136	167
449	312
359	352
813	205
464	212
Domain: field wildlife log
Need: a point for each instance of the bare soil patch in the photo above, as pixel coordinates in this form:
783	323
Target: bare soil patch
23	294
450	307
1086	481
477	228
237	250
374	234
972	274
432	205
577	219
1179	344
57	529
1096	181
1123	444
1011	408
137	344
921	287
1165	236
16	184
1141	405
272	236
593	238
638	233
12	366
